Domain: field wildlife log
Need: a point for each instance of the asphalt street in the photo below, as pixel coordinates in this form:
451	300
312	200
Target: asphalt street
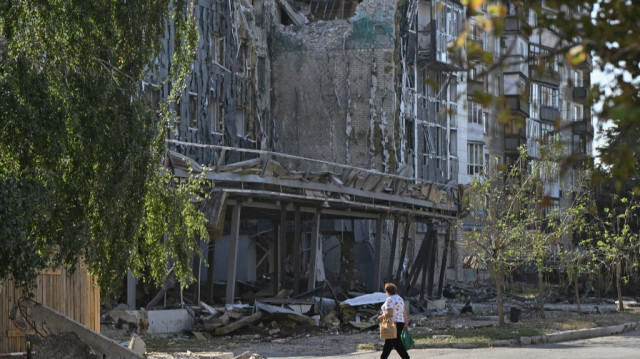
625	345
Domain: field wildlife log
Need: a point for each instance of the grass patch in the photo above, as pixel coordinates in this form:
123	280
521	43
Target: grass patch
445	332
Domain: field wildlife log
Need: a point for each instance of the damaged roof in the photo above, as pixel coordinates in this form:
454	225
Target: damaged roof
339	189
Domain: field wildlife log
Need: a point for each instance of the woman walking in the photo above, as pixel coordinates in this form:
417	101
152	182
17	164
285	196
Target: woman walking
393	308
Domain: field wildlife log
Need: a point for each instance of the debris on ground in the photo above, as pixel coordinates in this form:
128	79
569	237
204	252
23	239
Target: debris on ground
65	345
276	322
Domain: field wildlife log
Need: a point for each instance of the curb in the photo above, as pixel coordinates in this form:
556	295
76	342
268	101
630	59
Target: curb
558	337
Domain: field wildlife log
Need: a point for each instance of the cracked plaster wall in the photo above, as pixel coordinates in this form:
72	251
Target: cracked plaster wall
334	88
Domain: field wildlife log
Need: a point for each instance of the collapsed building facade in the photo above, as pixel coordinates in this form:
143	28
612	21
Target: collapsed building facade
334	135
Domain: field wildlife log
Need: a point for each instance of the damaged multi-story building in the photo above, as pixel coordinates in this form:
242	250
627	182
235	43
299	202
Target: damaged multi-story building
334	135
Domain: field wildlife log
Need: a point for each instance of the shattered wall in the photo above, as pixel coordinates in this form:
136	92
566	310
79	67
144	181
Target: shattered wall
226	100
334	88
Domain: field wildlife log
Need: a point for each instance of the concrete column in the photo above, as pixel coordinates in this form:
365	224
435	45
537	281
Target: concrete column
275	255
211	253
282	255
392	255
377	255
405	240
432	259
233	253
131	290
443	264
315	234
296	252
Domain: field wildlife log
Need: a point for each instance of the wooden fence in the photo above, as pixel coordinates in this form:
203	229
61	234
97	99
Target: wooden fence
77	296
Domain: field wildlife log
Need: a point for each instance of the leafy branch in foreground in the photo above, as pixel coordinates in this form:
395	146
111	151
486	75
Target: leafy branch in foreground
81	152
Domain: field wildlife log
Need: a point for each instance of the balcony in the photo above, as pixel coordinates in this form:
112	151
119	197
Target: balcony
579	152
475	86
431	47
549	113
579	94
511	143
514	134
513	24
426	44
517	104
475	48
582	128
544	75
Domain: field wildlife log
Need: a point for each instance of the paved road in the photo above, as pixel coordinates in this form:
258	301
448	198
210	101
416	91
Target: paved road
621	346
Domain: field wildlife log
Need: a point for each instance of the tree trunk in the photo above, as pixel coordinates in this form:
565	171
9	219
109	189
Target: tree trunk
541	293
498	275
619	285
576	284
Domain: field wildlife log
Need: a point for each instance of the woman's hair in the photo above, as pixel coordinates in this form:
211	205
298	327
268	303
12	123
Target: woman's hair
391	288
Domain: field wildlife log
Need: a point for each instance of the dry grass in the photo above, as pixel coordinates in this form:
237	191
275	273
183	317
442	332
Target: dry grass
555	322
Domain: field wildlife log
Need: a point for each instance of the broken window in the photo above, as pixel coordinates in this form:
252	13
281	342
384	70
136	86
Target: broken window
193	110
240	122
262	73
216	48
241	61
214	115
152	95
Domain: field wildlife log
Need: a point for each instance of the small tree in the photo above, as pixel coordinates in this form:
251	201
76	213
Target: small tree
550	227
514	220
614	240
496	204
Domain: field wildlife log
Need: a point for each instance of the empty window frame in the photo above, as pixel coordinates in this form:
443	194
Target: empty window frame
193	110
216	48
215	115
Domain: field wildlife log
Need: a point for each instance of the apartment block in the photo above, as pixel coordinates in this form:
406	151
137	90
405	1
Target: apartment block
335	135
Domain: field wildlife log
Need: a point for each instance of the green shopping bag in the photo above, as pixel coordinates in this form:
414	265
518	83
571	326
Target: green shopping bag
407	340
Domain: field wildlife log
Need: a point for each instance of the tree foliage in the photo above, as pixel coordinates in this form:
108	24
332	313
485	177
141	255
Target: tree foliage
496	205
81	153
613	240
589	35
597	32
514	223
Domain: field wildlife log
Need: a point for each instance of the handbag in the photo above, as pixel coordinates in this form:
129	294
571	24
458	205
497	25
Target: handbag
388	329
406	339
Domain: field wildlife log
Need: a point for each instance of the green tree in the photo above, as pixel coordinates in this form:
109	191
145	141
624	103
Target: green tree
81	153
515	221
591	33
594	31
551	227
496	205
614	241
